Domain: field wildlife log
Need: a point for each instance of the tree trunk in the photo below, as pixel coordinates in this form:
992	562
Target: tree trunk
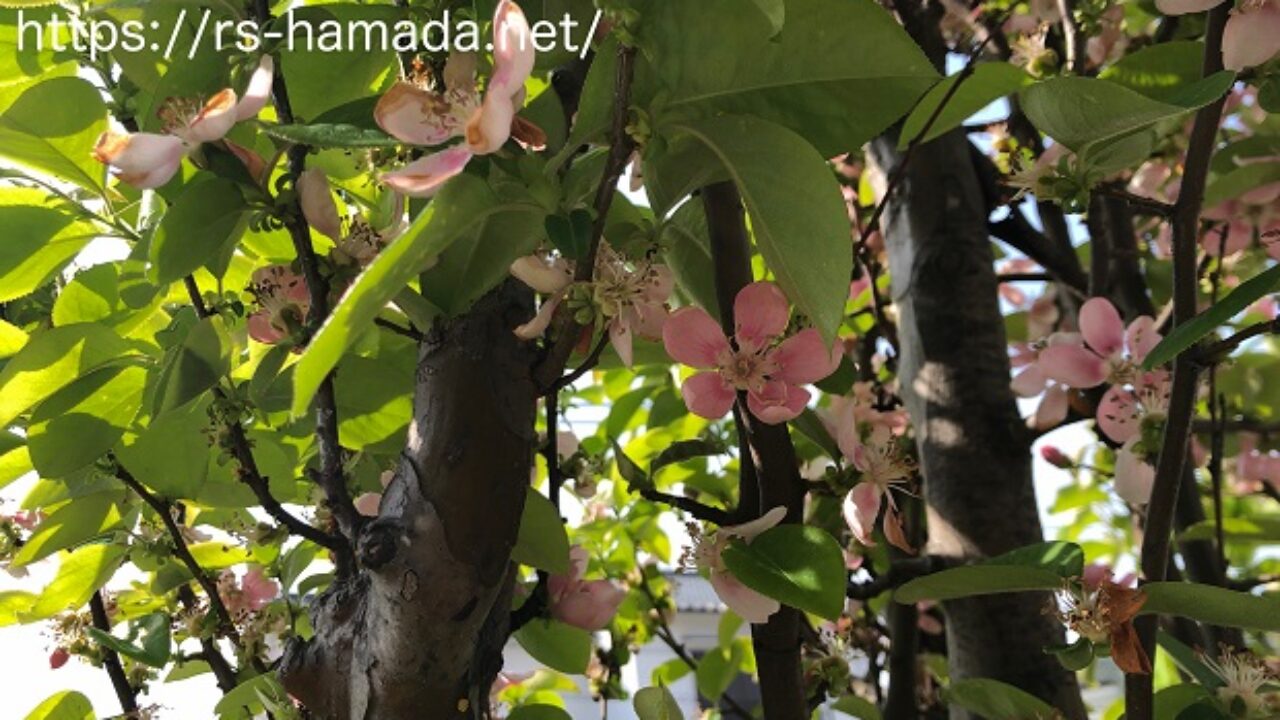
974	448
420	631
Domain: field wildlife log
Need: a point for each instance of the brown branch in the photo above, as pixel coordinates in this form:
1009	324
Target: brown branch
587	365
408	332
900	572
209	652
125	692
621	147
1177	431
1221	349
1018	232
1145	205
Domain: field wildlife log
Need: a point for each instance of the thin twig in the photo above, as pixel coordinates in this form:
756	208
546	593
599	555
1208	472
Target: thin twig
125	692
587	365
693	507
1145	205
411	333
1223	348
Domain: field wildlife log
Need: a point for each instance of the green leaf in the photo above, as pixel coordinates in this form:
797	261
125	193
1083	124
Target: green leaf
1074	657
195	366
539	711
75	522
1161	71
855	706
812	427
170	454
1078	111
717	669
1212	605
51	361
1066	559
687	252
14	604
252	696
656	703
208	217
775	11
542	542
798	216
81	573
971	580
988	82
81	422
39	241
556	645
787	78
331	136
154	648
638	479
1188	660
995	700
1190	332
797	565
52	128
65	705
1253	530
465	201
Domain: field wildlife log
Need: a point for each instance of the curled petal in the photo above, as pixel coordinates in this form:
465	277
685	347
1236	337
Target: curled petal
1102	327
894	533
490	126
414	116
424	177
778	402
258	91
860	508
1184	7
590	606
1134	476
143	160
747	603
691	337
1118	414
708	395
1251	37
543	276
760	314
1053	408
536	327
650	318
620	337
253	162
513	50
262	329
1141	337
804	358
1029	382
317	204
749	530
214	121
1073	366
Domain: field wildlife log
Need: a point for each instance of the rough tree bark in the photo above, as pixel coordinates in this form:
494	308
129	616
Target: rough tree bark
974	448
419	632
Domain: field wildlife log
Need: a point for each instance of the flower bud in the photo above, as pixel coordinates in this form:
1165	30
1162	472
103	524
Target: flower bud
1056	457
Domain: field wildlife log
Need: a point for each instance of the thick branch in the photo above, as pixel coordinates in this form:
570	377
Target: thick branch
125	692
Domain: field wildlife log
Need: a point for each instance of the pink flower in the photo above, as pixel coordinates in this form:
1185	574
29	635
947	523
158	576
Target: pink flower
1252	34
149	160
254	591
770	373
360	243
1095	574
586	604
419	116
1032	381
884	469
58	658
630	297
1108	351
707	550
283	300
1121	412
1134	475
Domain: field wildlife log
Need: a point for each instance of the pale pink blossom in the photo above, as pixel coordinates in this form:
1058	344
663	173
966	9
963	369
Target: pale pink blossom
417	115
770	372
251	594
1251	36
884	469
631	297
586	604
149	160
283	304
707	550
1134	476
1106	350
357	245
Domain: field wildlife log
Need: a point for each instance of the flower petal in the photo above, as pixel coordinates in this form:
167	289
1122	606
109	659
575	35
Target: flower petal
214	121
258	91
1073	365
747	603
760	313
541	275
860	508
894	533
1118	415
540	322
424	177
1134	476
692	338
804	358
317	204
707	395
368	504
415	116
590	605
778	402
620	337
261	329
513	50
1251	37
749	530
144	160
1030	382
490	125
1053	408
1102	327
1141	337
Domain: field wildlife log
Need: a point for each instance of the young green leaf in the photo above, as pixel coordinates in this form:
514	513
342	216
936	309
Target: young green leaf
208	216
542	542
556	645
65	705
52	360
656	703
988	82
81	422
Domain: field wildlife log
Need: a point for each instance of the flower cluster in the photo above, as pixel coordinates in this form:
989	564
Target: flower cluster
149	160
756	361
432	113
